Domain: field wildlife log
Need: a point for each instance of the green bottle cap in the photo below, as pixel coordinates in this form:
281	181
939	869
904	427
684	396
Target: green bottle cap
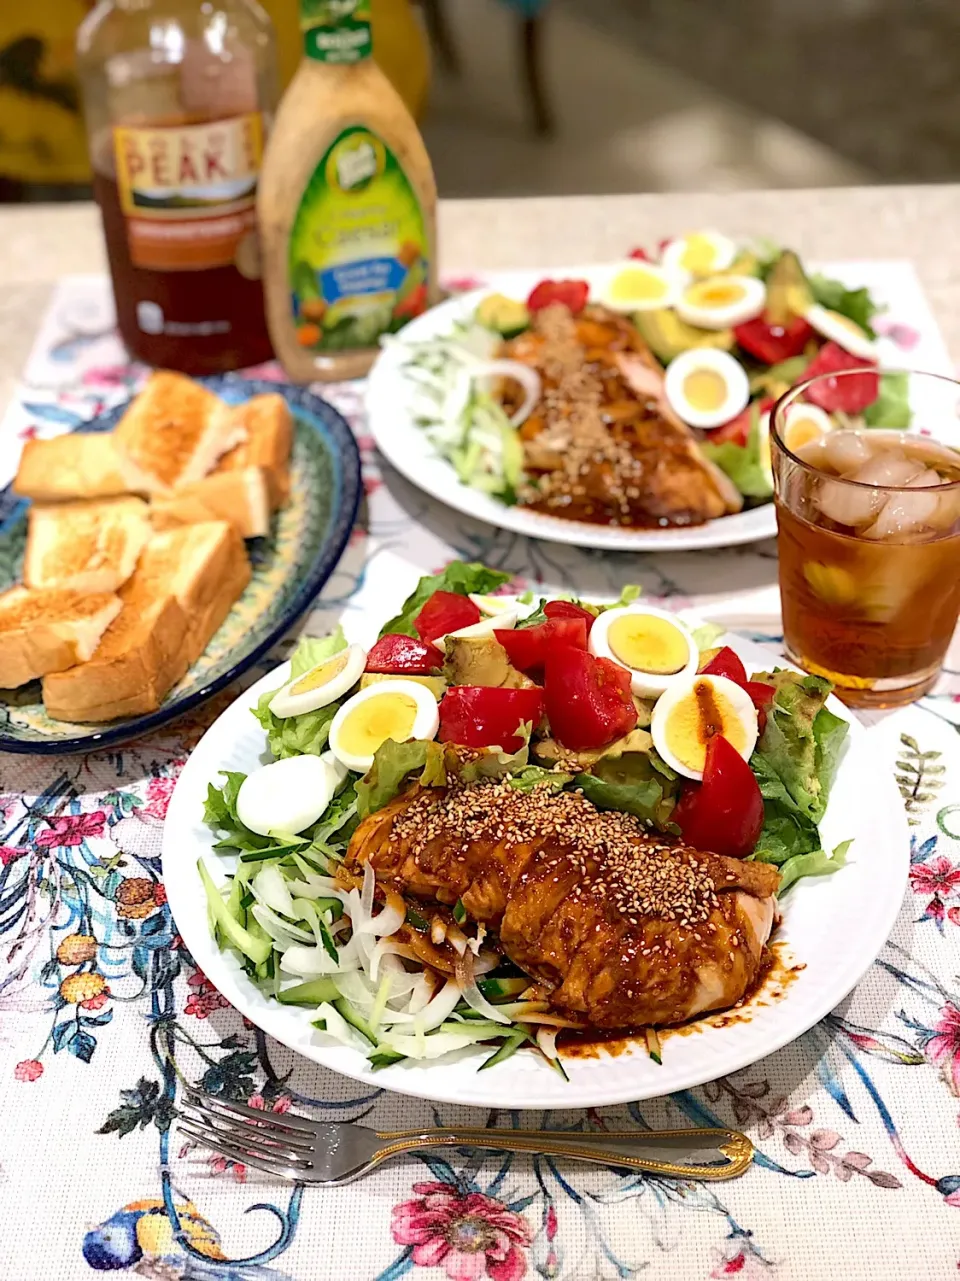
336	30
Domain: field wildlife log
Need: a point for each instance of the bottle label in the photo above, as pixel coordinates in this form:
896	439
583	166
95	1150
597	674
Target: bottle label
188	193
336	30
358	247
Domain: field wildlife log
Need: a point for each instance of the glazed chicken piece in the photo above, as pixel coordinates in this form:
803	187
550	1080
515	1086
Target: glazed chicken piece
602	443
624	927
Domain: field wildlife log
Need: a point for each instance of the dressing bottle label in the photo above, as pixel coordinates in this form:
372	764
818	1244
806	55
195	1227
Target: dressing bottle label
358	247
336	30
188	191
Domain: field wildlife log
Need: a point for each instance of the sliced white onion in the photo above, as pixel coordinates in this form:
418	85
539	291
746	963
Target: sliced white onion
339	1029
279	929
525	375
309	962
269	886
437	1010
547	1041
425	987
389	919
472	994
432	1047
366	897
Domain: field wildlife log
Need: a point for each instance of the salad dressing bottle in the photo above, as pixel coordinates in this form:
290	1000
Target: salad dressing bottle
346	204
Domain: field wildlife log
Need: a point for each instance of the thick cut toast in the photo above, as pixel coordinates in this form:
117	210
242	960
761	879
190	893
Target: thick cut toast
77	465
89	546
241	497
48	631
267	426
172	434
183	588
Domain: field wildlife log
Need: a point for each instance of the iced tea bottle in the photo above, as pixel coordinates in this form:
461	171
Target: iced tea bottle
178	98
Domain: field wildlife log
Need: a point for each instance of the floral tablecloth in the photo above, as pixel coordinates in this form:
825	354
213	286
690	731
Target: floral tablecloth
103	1013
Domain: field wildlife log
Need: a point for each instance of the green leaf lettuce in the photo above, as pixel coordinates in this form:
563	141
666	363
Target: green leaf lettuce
463	577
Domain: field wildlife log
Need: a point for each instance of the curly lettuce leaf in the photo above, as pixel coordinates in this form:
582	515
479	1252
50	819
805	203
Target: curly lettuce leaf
742	463
393	765
463	577
817	863
631	784
855	304
315	649
532	776
891	409
220	813
303	735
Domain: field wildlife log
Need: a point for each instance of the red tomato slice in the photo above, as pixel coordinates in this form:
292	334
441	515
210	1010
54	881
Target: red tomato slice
773	343
726	663
403	655
738	429
480	716
587	699
445	612
725	812
762	696
527	647
853	393
571	293
567	609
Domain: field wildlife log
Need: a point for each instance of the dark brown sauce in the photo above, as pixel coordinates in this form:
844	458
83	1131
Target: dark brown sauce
710	718
777	971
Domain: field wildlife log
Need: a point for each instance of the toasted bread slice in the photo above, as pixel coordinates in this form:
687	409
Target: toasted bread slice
48	631
241	497
89	546
81	464
173	434
183	587
267	425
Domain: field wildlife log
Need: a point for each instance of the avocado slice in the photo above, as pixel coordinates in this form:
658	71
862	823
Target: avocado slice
667	335
481	660
435	684
788	293
504	315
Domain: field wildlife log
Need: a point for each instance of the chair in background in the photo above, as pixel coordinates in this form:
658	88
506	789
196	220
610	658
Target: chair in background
531	53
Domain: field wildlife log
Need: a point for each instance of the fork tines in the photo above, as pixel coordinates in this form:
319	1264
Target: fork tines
278	1144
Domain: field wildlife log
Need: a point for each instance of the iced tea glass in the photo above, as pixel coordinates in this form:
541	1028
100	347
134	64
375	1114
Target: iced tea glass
869	542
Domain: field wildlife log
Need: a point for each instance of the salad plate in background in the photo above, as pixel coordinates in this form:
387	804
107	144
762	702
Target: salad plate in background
250	882
447	399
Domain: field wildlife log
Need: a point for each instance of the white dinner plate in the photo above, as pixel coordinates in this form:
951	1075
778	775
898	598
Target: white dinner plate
391	413
833	927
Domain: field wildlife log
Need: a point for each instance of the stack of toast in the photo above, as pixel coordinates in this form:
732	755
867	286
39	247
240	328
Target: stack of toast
135	545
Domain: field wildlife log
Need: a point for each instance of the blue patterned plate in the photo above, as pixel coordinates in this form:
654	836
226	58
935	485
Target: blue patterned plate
289	568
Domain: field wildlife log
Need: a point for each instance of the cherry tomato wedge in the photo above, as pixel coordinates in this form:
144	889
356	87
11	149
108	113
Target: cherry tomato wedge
724	813
403	656
773	343
762	696
445	612
567	609
481	716
527	647
726	663
853	393
571	293
587	699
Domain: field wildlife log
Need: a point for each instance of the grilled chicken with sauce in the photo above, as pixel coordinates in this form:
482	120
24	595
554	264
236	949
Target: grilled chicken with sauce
602	444
623	927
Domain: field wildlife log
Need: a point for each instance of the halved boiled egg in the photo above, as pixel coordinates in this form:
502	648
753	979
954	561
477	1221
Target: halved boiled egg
493	606
321	685
502	621
721	301
286	796
706	387
640	286
654	645
846	333
700	253
397	709
803	425
691	712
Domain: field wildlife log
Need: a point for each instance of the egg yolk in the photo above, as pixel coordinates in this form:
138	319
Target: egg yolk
318	676
638	285
648	644
375	720
698	254
801	431
715	293
704	389
696	719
